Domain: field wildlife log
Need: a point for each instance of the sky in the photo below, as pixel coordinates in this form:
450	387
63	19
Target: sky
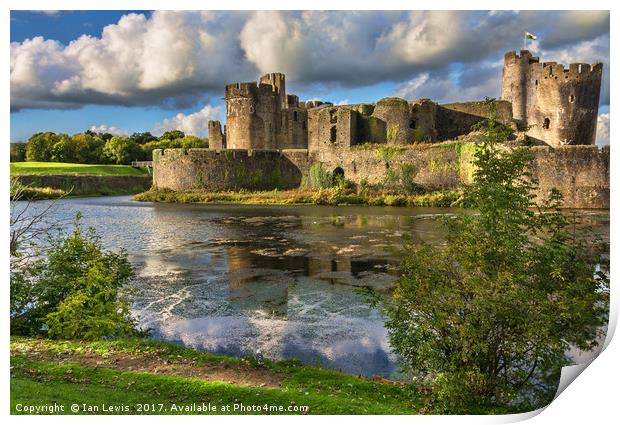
134	71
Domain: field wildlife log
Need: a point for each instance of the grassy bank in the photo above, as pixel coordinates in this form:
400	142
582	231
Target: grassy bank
51	180
57	168
331	196
131	373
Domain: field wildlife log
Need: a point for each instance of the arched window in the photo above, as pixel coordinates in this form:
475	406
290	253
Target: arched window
295	116
546	123
571	98
332	134
412	124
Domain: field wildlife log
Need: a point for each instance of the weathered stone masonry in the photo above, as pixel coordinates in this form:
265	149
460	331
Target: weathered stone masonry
271	138
581	173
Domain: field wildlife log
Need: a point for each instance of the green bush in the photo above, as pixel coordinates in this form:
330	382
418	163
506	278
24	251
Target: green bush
75	291
319	177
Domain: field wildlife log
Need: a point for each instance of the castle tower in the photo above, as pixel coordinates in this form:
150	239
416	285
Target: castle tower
278	83
565	110
515	78
396	113
252	116
560	106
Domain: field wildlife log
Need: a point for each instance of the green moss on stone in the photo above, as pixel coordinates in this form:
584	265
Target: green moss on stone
394	101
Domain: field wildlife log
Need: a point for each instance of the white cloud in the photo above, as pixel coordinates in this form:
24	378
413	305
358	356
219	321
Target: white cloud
602	130
178	58
109	129
342	102
195	124
174	56
47	12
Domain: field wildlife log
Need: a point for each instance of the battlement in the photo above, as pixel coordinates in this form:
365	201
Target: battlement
249	89
292	101
276	80
575	71
525	55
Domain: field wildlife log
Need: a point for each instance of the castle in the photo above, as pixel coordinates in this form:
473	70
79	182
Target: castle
271	138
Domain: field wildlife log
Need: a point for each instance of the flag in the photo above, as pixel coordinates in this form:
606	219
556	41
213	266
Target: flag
530	36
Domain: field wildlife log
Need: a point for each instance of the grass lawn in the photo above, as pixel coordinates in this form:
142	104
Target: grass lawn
44	168
148	377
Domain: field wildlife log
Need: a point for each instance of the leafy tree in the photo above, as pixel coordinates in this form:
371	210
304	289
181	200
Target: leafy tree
122	150
64	150
172	135
142	138
18	152
75	292
88	148
487	318
39	146
193	142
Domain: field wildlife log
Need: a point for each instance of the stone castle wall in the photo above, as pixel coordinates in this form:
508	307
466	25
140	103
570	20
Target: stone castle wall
180	169
581	173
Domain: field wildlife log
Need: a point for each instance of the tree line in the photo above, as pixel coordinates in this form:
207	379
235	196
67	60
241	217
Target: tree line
100	148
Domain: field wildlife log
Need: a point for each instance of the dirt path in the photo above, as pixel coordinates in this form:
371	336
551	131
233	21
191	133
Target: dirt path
231	373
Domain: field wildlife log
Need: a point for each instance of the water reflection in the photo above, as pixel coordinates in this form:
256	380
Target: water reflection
234	279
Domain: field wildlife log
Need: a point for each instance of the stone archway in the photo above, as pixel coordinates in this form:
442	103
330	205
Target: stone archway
337	175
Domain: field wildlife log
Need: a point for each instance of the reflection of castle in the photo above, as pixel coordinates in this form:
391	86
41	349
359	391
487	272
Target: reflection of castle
560	107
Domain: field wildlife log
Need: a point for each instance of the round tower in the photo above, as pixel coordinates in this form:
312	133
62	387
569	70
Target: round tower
515	80
566	107
396	114
240	109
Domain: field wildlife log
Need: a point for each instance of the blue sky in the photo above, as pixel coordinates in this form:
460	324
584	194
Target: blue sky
130	71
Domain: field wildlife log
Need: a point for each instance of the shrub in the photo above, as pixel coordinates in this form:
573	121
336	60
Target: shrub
319	177
75	291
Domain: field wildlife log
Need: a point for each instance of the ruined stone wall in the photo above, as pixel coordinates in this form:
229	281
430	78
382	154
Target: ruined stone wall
581	173
180	169
396	122
217	138
294	128
423	121
455	119
441	166
331	126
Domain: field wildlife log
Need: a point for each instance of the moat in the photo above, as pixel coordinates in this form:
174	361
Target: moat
234	279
